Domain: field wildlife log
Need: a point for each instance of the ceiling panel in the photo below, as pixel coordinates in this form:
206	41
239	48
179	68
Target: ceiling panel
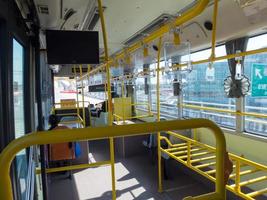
126	17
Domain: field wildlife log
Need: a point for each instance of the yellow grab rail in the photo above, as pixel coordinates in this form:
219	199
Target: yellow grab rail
249	114
59	136
197	9
191	153
122	118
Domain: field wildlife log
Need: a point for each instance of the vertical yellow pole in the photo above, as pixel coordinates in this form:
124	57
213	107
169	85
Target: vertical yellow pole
158	117
106	96
195	136
214	29
111	141
122	100
220	187
237	176
188	153
77	94
81	74
89	110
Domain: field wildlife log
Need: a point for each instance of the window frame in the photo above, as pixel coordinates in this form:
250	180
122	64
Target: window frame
239	128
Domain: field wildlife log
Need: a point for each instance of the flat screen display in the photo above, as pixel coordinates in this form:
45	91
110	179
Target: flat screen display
72	47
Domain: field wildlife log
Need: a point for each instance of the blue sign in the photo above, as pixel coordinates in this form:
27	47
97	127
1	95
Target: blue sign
259	80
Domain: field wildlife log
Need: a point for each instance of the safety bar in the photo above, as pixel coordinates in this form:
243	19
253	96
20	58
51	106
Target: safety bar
197	9
122	118
76	102
191	152
249	114
59	136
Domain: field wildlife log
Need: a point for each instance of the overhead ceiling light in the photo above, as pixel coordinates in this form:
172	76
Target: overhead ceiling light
43	9
70	12
91	16
158	22
245	3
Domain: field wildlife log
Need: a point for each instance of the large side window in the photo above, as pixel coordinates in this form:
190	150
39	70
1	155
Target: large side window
256	70
19	120
168	102
203	87
141	93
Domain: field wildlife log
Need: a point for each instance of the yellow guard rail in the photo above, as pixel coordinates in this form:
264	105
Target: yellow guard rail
200	158
58	136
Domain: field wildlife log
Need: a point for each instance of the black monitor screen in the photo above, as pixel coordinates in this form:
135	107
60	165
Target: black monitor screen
72	47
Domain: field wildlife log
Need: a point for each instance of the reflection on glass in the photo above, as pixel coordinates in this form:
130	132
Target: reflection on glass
256	104
204	87
19	121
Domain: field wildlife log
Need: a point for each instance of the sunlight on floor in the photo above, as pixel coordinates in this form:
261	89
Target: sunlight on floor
95	183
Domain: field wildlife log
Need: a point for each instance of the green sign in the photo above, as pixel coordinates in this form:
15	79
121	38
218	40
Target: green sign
259	80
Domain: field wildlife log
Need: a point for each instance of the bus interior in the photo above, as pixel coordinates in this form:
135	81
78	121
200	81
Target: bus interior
132	99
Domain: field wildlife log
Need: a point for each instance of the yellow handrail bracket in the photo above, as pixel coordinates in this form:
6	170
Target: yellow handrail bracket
70	135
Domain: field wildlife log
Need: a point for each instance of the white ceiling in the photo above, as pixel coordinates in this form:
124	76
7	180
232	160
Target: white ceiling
126	17
123	17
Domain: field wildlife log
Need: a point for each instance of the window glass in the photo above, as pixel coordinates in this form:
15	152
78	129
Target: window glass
19	120
256	101
203	87
65	89
141	94
205	54
168	102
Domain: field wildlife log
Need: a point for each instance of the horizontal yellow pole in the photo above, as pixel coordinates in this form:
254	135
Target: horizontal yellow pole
71	122
188	15
178	145
67	114
213	171
195	155
67	108
250	171
166	140
184	152
257	193
250	114
245	161
210	196
191	166
219	179
242	54
251	181
207	174
75	102
177	148
69	135
232	156
205	165
203	159
73	167
191	140
133	117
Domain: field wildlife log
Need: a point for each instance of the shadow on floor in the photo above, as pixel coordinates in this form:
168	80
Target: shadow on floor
136	178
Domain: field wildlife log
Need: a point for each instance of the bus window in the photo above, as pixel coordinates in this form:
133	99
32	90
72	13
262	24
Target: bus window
19	121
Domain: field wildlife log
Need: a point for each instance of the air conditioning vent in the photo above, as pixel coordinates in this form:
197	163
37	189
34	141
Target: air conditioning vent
245	3
76	26
43	9
162	19
94	18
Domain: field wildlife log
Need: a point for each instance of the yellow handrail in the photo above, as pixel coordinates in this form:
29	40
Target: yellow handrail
178	152
149	114
110	110
59	136
188	15
250	114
